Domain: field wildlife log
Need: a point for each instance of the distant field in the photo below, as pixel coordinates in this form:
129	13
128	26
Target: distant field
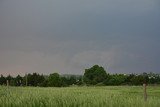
116	96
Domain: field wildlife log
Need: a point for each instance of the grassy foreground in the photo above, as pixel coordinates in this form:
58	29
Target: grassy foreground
117	96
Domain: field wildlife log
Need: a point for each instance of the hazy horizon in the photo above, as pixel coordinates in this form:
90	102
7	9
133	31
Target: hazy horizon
70	36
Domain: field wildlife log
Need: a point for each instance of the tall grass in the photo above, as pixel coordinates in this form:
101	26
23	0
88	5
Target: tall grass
117	96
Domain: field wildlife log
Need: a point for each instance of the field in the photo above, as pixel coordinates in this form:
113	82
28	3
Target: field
115	96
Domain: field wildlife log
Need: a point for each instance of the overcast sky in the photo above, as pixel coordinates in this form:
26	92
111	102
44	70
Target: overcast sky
68	36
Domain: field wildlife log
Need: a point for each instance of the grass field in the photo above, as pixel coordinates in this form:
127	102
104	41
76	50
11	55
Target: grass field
116	96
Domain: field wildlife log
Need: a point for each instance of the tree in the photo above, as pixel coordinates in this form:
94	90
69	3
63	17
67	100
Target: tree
65	82
116	79
145	78
18	81
9	78
137	80
35	79
54	80
94	75
72	80
2	80
41	80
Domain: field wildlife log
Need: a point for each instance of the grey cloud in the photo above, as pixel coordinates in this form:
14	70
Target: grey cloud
69	36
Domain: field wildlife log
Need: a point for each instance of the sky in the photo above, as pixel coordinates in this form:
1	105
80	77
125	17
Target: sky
69	36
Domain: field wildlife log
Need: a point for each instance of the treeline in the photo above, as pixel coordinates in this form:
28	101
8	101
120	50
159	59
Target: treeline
95	75
35	79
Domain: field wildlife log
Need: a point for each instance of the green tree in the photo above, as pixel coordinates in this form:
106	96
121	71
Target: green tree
9	78
54	80
18	81
137	80
72	80
116	79
65	81
35	79
2	80
94	75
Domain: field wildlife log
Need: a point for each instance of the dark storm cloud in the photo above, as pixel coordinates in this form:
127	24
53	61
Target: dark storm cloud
68	36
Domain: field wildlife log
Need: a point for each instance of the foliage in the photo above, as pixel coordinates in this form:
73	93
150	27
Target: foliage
94	75
2	80
54	80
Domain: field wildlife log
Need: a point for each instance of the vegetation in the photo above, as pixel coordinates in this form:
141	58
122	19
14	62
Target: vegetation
108	96
95	75
78	94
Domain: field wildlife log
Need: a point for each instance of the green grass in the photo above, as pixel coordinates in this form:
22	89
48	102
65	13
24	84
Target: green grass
115	96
